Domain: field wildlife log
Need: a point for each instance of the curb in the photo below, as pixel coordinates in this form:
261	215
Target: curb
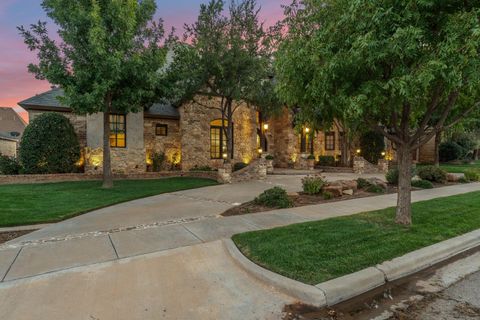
346	287
298	290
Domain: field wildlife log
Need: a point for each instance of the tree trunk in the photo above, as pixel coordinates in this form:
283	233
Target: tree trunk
404	201
230	129
438	139
107	167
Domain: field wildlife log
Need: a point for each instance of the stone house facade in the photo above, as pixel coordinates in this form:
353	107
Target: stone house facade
189	136
11	131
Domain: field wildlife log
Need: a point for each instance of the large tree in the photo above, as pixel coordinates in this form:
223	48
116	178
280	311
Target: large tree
107	58
406	68
226	56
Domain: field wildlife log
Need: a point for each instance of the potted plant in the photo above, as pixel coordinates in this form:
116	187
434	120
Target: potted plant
311	162
269	158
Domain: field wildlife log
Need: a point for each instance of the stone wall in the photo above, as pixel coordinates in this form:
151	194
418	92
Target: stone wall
45	178
8	148
256	170
131	159
195	133
169	145
78	122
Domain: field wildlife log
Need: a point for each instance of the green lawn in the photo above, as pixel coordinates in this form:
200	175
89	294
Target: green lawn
40	203
314	252
460	168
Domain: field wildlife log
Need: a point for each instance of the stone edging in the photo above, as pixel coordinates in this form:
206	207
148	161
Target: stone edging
343	288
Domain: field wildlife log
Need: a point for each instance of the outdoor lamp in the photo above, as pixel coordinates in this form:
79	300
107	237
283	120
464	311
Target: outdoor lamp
260	151
358	151
307	130
224	156
265	126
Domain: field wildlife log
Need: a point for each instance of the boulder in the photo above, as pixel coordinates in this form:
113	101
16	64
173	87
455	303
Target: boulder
348	192
452	177
335	189
349	184
378	182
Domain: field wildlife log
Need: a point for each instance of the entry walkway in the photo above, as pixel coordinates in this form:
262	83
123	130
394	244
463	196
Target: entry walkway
45	252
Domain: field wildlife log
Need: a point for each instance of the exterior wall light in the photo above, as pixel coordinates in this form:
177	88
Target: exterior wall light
225	156
265	126
383	154
307	130
260	151
359	151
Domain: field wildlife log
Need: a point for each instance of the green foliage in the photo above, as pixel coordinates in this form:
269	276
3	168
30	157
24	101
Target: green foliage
375	189
423	184
9	165
432	174
274	198
239	166
49	145
158	159
328	195
269	157
311	157
449	151
463	180
372	144
313	184
326	161
392	176
363	183
472	175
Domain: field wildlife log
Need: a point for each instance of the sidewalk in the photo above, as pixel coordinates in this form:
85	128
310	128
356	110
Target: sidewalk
35	256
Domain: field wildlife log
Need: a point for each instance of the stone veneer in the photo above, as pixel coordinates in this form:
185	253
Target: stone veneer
169	145
8	148
195	134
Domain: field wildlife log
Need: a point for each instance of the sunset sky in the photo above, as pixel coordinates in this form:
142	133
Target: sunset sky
17	84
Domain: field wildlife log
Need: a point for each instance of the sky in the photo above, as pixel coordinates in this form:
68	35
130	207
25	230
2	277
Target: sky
16	84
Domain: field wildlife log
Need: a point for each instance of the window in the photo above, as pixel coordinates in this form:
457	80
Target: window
306	142
118	131
161	130
218	139
329	141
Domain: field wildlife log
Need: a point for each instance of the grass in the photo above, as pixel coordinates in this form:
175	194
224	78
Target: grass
314	252
460	168
52	202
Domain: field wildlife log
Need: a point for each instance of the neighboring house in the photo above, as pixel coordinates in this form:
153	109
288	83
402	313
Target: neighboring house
189	136
11	130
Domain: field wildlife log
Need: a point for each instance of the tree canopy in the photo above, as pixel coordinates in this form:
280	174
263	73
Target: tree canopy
404	68
107	59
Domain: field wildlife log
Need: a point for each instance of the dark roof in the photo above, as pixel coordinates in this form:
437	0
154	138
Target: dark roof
48	101
11	124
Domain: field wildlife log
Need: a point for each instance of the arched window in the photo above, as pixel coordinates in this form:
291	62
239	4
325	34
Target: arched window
218	139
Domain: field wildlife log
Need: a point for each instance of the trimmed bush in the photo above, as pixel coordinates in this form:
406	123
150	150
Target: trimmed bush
274	198
326	161
201	168
423	184
463	180
269	157
328	195
467	142
158	159
49	145
239	166
472	175
311	157
432	174
392	176
9	165
375	189
449	151
372	144
363	183
313	184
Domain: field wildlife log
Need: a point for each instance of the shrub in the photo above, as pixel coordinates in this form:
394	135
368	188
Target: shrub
49	145
158	160
313	184
326	161
423	184
372	144
363	183
239	166
327	195
375	189
432	174
274	198
392	176
449	151
269	157
472	175
311	157
467	142
463	180
9	165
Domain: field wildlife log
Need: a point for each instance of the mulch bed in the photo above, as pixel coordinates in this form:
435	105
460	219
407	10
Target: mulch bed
10	235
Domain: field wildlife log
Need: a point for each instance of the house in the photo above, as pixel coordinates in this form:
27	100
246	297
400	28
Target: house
188	136
11	131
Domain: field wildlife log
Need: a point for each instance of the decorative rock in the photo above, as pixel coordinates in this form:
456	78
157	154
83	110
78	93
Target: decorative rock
452	177
334	189
349	184
348	192
378	182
